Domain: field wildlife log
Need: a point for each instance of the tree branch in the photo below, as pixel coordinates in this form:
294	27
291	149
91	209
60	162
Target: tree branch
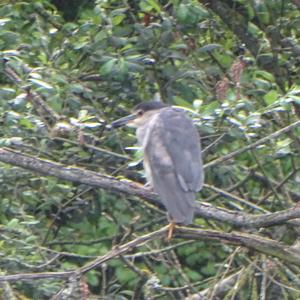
220	289
250	241
253	145
90	178
239	26
235	22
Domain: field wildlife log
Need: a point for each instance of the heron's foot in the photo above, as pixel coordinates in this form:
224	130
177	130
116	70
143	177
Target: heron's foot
148	186
172	226
136	184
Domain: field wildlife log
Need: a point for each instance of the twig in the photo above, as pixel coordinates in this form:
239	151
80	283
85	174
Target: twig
260	177
7	291
234	197
123	249
46	113
104	280
221	287
263	287
280	184
143	276
158	251
228	264
92	147
253	145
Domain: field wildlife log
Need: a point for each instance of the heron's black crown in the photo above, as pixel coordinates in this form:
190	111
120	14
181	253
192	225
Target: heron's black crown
150	105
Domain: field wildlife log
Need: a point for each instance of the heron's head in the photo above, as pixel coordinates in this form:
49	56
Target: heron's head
140	115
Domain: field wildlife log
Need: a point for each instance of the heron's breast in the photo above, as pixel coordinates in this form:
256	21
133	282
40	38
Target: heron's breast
142	136
147	168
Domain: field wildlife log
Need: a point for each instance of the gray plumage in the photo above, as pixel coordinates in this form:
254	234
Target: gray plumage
172	160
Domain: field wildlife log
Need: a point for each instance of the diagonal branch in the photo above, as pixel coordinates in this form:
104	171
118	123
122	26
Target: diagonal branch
253	145
239	25
220	289
250	241
90	178
235	22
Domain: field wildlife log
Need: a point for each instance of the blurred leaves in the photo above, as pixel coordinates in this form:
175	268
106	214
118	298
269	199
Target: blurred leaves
91	62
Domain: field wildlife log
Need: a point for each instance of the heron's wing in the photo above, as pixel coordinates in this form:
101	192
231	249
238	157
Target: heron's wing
182	143
179	204
174	155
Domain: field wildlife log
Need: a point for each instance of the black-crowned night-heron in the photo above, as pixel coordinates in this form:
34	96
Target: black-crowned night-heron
172	157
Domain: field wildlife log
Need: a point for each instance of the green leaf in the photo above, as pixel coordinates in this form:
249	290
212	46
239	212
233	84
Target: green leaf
271	97
26	123
182	12
262	12
13	223
296	99
92	278
181	102
41	83
209	269
118	19
8	37
76	88
56	103
265	75
4	21
31	238
5	92
208	109
124	275
209	48
108	67
134	67
295	90
155	5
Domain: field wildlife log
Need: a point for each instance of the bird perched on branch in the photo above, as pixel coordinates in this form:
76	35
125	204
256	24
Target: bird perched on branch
172	157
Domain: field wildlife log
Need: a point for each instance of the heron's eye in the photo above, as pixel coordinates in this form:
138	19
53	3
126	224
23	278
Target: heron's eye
140	113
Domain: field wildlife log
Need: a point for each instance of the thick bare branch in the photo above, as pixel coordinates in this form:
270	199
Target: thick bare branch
90	178
250	241
75	174
35	276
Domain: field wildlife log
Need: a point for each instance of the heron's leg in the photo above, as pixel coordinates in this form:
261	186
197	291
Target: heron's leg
148	185
172	226
136	184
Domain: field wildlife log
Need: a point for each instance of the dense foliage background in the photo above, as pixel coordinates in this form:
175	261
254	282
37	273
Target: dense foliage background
68	68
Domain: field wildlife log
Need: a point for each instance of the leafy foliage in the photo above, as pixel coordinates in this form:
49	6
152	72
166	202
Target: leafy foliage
64	80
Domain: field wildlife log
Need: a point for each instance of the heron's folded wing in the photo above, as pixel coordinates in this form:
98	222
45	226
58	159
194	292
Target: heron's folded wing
178	202
182	143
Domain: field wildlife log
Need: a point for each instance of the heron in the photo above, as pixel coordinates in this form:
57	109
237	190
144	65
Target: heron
171	157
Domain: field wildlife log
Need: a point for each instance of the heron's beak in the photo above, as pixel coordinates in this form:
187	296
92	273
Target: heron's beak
123	121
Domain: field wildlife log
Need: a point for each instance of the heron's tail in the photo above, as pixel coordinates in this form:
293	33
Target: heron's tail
179	203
